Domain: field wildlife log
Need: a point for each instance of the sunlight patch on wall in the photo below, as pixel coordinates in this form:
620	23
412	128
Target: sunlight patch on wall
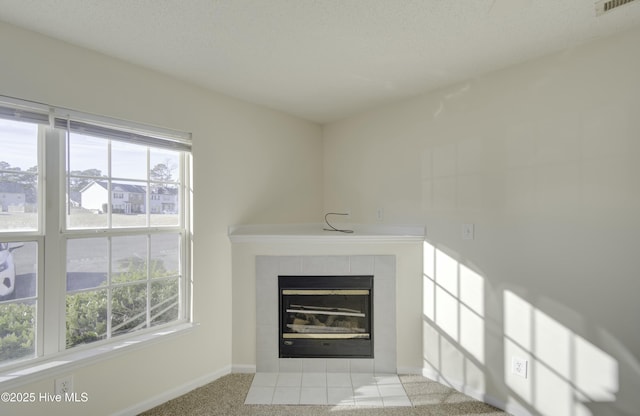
446	273
472	290
596	372
517	322
447	316
428	287
454	323
565	370
446	301
552	343
472	312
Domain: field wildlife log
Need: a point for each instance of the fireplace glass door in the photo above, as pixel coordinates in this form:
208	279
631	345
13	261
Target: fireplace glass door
325	316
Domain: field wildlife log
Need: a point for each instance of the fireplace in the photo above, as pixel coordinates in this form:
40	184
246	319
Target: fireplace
326	316
383	356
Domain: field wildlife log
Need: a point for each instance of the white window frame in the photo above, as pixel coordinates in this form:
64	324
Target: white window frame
52	236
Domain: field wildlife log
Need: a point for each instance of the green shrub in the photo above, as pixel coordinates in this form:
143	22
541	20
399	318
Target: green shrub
86	312
86	317
16	331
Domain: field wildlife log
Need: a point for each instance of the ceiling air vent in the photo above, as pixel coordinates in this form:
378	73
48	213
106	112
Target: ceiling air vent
603	6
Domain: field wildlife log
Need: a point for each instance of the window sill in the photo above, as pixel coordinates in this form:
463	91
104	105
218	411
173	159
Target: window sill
44	368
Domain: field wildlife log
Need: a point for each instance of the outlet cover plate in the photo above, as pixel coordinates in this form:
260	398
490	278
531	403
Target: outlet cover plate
519	366
64	385
468	231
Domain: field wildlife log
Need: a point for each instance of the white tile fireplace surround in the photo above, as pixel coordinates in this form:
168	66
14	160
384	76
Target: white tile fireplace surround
388	253
344	381
383	269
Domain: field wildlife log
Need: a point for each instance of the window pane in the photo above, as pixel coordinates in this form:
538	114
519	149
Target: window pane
86	314
129	308
87	208
129	258
164	166
88	156
86	190
164	301
164	204
87	263
17	330
18	265
18	176
165	255
128	161
129	200
18	287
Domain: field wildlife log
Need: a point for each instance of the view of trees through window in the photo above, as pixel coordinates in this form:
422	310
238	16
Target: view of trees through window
18	176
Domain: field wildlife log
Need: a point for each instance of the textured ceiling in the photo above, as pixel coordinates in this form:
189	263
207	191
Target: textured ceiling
321	60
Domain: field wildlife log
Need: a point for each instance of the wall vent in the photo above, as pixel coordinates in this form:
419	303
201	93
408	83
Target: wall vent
603	6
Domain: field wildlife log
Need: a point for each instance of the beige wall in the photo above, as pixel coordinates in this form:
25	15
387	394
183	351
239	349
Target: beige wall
543	159
243	158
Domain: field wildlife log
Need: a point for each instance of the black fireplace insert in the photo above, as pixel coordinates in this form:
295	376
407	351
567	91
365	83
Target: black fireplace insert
326	316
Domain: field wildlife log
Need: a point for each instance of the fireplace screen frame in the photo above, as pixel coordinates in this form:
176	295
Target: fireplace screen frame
326	342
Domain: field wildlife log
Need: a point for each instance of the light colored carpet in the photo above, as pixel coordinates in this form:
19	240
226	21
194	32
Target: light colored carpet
225	397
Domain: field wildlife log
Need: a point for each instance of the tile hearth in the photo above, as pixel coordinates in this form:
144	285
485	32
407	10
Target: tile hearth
336	389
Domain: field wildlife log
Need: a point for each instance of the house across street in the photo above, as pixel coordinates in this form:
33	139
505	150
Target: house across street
129	198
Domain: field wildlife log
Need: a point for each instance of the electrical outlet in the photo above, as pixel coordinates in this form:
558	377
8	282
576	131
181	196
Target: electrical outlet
380	214
519	366
64	385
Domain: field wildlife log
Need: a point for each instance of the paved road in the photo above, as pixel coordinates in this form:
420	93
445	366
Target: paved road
26	283
87	262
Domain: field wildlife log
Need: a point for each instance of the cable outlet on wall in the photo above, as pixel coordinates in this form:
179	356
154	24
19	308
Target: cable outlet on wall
64	385
519	366
467	231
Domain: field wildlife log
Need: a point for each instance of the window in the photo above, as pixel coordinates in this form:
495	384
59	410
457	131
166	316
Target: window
118	254
20	179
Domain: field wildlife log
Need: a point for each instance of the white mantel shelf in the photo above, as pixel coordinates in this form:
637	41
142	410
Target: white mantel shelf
314	233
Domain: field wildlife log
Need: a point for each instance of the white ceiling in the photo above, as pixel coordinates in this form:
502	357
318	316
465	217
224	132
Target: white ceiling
321	60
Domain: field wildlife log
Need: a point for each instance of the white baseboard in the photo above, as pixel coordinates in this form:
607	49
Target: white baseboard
409	370
243	368
173	393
